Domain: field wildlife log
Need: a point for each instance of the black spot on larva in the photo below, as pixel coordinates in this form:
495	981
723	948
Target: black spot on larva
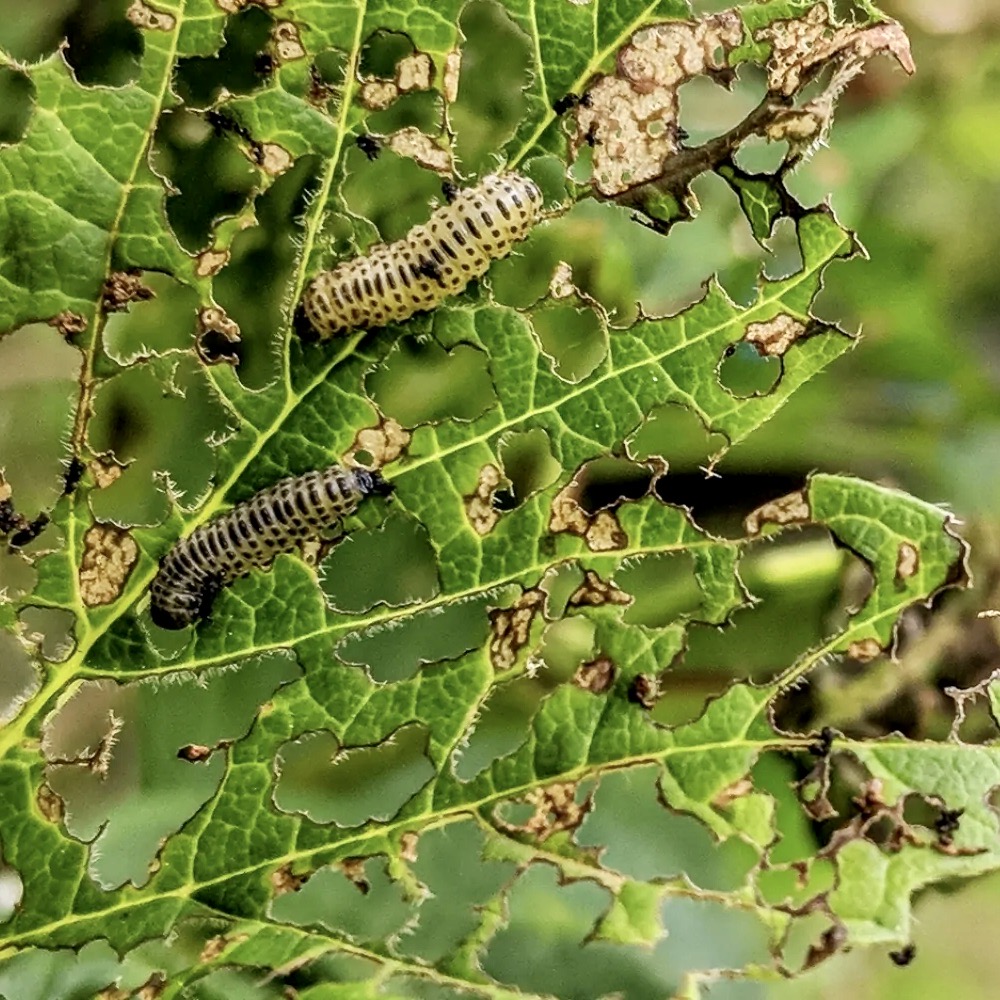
429	269
197	567
450	190
351	296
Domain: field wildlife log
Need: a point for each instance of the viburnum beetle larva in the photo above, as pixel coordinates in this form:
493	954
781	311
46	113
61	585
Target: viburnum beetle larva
249	536
435	259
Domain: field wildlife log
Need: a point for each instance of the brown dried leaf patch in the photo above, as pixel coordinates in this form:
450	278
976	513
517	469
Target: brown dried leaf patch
122	288
479	504
793	508
773	338
595	676
510	628
601	530
556	810
144	16
384	442
109	555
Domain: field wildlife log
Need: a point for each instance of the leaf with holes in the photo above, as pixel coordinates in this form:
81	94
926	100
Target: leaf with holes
397	749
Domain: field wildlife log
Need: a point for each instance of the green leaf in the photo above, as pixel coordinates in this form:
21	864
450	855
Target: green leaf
467	731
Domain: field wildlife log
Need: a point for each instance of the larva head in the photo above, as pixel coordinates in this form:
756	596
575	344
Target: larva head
303	327
372	483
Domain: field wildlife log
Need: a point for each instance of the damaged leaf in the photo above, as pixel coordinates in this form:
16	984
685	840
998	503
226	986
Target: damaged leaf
509	709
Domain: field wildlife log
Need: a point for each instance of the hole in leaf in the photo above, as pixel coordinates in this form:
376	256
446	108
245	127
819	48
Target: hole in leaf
605	482
396	654
796	581
382	51
331	65
352	785
495	69
331	967
664	586
786	253
355	576
612	258
19	678
704	933
745	372
16	97
718	242
52	629
662	843
36	30
508	712
582	169
187	150
11	892
199	80
39	374
135	418
368	906
758	156
61	973
420	109
574	338
17	578
721	502
708	110
677	434
528	463
559	585
104	47
503	725
93	741
164	322
451	865
392	192
420	382
252	287
526	954
565	645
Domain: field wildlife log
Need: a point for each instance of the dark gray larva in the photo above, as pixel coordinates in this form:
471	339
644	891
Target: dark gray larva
435	259
272	521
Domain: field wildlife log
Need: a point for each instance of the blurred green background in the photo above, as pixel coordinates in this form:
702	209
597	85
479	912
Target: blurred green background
912	165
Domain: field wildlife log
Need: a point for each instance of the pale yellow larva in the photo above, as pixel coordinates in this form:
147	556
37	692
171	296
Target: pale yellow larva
435	259
274	520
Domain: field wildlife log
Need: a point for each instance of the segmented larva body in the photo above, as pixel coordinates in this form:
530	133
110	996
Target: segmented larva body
435	259
272	521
